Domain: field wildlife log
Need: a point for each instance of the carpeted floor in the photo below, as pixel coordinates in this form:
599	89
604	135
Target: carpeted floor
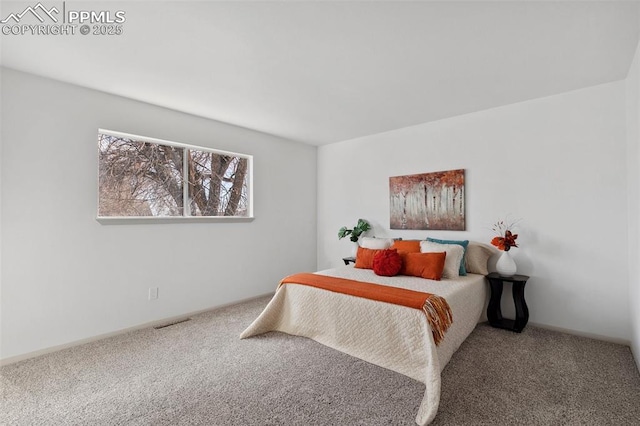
200	373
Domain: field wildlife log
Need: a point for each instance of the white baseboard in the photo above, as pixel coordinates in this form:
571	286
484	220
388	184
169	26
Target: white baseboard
163	321
610	339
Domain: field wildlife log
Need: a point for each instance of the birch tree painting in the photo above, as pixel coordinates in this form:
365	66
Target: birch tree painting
428	201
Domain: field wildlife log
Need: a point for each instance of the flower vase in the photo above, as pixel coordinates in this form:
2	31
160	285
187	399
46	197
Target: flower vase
505	265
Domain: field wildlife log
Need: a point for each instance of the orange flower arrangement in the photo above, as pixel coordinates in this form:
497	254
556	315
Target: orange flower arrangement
505	239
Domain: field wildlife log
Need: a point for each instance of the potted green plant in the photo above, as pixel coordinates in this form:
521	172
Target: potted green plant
361	227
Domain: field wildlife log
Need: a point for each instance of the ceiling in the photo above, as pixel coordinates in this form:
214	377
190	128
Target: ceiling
323	72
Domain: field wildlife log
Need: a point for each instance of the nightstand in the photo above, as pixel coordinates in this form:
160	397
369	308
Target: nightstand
348	260
494	312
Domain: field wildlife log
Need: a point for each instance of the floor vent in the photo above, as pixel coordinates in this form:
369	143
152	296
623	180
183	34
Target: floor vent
158	327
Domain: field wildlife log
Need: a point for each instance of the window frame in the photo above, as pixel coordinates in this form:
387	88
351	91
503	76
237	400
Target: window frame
184	218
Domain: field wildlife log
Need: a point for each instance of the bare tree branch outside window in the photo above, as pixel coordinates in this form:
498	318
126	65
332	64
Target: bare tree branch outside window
217	184
147	179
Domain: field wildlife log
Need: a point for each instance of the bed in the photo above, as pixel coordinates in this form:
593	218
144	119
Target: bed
390	336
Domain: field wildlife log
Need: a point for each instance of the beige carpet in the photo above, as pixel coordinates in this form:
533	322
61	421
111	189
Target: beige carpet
200	373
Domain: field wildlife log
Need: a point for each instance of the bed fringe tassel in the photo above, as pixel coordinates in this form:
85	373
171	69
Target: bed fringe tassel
438	315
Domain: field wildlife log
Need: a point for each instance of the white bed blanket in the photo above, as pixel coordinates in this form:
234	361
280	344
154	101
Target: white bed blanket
390	336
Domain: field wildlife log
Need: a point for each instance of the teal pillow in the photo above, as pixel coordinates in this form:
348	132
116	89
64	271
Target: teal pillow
464	244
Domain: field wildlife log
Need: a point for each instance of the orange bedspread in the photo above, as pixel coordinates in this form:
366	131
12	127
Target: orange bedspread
435	307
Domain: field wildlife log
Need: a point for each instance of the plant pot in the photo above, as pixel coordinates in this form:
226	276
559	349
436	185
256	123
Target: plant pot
354	248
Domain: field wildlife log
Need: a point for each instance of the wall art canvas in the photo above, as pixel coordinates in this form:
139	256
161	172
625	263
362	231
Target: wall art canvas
428	201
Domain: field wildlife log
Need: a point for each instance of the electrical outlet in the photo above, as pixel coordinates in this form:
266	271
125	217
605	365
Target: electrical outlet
153	293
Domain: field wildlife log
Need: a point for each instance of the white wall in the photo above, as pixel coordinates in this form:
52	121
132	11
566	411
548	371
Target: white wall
558	163
633	178
66	277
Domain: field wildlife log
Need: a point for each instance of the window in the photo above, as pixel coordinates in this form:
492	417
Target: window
143	177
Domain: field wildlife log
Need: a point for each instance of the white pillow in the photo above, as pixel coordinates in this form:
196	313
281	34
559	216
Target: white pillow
376	243
455	252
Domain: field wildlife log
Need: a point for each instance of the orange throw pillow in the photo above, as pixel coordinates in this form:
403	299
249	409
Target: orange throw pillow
425	265
364	258
407	246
